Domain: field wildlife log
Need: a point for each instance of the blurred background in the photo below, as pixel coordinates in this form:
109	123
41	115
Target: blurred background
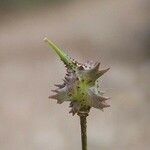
114	32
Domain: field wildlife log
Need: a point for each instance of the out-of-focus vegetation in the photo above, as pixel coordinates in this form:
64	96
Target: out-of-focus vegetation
22	4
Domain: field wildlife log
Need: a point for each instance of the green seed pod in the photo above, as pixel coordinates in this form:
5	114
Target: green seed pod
79	86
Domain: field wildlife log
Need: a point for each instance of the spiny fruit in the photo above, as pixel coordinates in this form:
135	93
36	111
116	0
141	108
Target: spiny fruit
80	85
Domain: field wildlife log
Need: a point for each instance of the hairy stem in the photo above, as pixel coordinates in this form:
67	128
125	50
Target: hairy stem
83	124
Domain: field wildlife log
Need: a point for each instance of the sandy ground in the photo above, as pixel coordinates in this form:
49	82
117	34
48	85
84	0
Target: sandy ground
114	32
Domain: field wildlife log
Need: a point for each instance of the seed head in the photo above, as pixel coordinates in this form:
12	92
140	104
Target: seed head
79	86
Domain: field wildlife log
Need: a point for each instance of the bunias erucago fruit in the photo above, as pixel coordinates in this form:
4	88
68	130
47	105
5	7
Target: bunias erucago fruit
80	86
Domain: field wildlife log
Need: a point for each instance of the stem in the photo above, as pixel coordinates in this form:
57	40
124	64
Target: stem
83	124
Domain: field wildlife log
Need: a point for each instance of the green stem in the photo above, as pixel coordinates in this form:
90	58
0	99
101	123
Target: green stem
83	124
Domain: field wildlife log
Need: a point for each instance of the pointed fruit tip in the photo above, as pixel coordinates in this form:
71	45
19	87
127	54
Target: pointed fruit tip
106	98
45	39
101	72
56	91
108	69
107	106
53	96
49	42
105	70
97	66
